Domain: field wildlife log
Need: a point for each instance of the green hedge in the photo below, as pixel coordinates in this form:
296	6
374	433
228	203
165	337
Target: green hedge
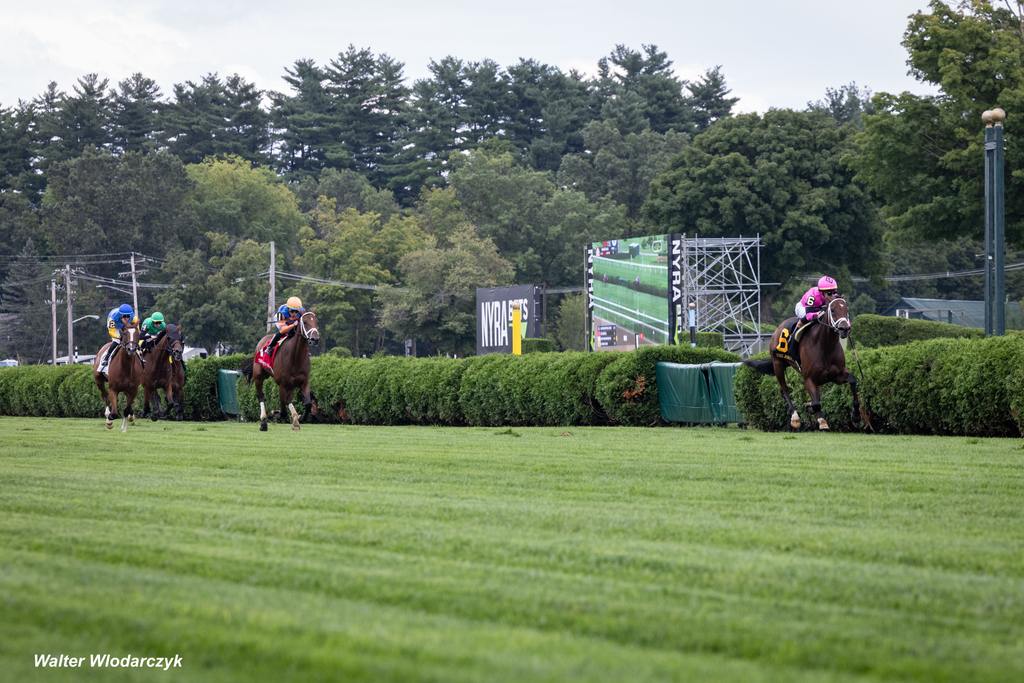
941	386
492	390
972	387
881	330
711	339
538	345
570	388
69	391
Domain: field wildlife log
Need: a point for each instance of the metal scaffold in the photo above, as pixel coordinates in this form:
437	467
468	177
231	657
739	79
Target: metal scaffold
722	276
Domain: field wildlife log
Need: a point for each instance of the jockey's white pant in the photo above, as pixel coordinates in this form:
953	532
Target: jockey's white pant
800	310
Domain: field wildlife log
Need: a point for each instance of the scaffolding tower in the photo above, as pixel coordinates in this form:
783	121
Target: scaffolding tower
722	276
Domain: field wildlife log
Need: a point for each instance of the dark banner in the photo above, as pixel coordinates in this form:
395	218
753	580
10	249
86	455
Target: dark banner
494	316
676	319
589	269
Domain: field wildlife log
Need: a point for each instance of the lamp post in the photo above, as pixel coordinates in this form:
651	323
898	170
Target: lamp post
995	224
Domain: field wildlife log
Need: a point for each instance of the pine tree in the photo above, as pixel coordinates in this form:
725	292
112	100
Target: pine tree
48	140
22	296
247	128
85	116
194	119
16	148
709	98
136	114
305	141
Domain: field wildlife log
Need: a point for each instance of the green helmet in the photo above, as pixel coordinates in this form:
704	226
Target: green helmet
157	317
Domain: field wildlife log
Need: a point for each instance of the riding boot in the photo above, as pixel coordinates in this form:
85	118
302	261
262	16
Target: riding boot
102	369
270	344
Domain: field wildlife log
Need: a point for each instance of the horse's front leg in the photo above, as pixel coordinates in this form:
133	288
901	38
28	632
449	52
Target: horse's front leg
102	386
150	402
262	400
174	402
307	402
857	413
129	409
779	367
111	406
815	393
286	401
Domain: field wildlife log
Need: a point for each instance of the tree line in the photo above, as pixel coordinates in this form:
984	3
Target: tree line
482	175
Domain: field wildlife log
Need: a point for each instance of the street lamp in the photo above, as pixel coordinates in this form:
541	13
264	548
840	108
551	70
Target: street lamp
995	224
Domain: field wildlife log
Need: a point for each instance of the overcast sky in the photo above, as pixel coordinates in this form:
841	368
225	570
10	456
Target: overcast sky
774	53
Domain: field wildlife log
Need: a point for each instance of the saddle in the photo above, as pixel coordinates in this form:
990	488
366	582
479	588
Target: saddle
788	346
266	355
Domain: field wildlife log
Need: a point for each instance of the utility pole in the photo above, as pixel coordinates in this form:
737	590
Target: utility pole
135	288
995	224
53	320
272	295
71	332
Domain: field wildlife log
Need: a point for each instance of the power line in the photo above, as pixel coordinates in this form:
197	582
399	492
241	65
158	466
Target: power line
325	281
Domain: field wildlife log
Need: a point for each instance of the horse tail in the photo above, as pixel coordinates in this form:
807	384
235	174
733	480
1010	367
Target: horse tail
247	370
763	366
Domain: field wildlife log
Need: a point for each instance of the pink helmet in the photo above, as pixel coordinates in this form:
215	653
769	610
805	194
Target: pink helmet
826	284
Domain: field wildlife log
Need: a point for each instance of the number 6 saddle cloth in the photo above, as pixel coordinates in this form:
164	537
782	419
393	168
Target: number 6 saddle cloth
788	346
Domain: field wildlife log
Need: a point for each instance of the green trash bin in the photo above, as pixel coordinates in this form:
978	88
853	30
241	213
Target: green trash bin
227	392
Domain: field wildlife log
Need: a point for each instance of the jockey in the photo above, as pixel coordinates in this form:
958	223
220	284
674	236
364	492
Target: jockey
816	299
287	318
152	327
118	318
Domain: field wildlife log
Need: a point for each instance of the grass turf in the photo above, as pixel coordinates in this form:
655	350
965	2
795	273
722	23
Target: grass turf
368	553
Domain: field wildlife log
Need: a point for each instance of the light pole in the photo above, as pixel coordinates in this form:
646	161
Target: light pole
995	224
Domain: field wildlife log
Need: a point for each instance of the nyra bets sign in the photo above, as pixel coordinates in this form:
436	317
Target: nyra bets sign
494	309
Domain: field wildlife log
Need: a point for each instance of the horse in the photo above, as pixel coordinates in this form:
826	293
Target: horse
124	375
291	370
821	360
165	370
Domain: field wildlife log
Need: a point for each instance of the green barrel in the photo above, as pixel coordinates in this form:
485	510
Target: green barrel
227	391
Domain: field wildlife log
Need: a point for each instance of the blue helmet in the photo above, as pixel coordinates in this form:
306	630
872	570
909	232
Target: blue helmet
126	309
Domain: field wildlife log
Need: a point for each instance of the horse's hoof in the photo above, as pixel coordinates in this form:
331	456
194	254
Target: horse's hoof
153	417
263	426
295	428
179	418
109	425
794	420
822	425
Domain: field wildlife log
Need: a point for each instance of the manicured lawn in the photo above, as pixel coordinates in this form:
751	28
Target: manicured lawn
404	554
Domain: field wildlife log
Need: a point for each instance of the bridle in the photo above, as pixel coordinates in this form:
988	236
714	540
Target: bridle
312	334
177	346
130	346
833	321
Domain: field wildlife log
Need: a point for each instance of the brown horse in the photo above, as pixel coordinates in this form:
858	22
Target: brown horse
820	360
165	370
124	375
291	369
